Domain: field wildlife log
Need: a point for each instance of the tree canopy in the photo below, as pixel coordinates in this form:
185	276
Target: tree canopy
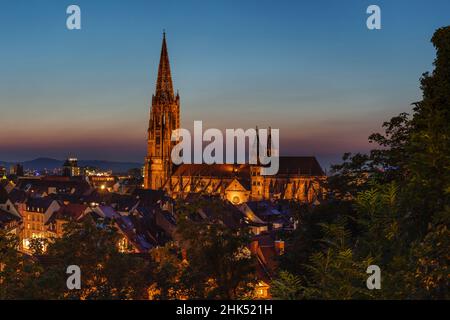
389	207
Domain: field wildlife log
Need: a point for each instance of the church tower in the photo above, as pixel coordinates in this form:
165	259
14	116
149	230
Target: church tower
164	118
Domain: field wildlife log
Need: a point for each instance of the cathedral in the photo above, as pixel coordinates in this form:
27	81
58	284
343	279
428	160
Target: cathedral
299	178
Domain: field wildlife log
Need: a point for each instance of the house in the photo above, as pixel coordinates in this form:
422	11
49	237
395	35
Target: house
10	223
35	213
72	211
266	250
135	234
8	184
44	186
135	237
6	204
255	223
104	183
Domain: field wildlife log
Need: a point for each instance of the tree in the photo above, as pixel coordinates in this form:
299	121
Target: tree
18	272
106	272
168	269
38	245
220	266
400	212
287	286
336	271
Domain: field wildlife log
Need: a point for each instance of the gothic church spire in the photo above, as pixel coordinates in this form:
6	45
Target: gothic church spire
164	87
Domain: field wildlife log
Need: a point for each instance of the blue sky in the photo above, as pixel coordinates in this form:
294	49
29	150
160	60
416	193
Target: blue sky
311	69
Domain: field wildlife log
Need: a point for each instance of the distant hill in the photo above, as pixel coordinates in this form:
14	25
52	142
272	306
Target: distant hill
50	164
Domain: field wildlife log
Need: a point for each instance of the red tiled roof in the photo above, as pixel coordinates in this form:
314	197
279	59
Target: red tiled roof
304	165
71	210
300	166
212	170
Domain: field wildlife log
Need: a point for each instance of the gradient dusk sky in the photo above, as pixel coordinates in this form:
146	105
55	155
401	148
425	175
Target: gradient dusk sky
311	69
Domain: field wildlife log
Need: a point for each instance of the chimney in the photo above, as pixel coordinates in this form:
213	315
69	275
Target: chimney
279	247
184	254
254	247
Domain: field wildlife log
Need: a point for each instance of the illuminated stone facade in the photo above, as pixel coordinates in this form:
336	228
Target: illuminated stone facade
164	118
35	215
298	178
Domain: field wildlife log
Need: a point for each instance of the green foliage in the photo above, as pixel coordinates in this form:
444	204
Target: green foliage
335	271
432	268
208	260
168	272
400	207
286	286
106	273
38	245
18	272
